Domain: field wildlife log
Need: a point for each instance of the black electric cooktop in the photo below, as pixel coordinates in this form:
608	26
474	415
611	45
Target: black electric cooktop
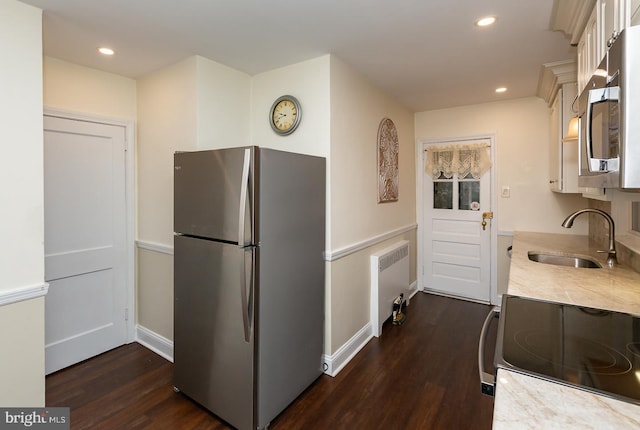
591	349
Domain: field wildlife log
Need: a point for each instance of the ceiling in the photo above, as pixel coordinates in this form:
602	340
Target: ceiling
427	54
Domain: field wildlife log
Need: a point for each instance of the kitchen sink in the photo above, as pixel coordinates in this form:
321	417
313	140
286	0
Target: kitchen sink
564	260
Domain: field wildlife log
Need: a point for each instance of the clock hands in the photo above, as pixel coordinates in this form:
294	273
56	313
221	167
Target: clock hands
285	115
281	119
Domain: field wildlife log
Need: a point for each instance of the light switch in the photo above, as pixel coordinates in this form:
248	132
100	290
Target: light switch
506	192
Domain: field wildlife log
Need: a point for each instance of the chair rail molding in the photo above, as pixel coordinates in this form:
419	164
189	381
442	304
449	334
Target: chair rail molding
28	292
359	246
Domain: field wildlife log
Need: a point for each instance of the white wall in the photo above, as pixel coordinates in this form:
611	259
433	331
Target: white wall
71	87
308	81
22	214
521	128
223	100
22	360
357	108
21	188
167	122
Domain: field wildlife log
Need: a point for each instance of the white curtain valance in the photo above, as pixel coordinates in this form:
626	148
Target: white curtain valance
462	160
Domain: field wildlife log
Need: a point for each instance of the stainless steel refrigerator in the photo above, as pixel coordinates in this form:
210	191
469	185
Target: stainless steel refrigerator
248	280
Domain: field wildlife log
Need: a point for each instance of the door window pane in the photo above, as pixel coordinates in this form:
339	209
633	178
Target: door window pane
443	195
469	195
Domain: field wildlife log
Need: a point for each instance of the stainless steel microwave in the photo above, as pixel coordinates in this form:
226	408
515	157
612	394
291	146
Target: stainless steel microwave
609	112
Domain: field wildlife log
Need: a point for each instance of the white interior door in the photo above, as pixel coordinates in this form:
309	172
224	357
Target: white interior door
85	240
456	246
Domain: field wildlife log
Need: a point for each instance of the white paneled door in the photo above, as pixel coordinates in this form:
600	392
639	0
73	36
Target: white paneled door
456	245
85	240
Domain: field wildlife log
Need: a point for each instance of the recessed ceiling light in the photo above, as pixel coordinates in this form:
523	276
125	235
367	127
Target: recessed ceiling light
501	89
486	21
106	51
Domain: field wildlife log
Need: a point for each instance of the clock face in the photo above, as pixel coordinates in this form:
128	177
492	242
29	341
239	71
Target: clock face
285	115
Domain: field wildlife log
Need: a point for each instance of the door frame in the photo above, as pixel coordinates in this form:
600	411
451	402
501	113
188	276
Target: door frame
420	165
130	182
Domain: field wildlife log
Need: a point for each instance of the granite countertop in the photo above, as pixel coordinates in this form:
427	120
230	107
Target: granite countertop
616	288
528	402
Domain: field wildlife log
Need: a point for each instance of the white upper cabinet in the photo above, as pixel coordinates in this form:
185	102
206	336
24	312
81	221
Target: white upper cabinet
615	17
563	154
607	19
555	166
557	86
588	49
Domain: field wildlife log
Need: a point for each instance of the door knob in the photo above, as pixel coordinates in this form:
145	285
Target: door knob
485	216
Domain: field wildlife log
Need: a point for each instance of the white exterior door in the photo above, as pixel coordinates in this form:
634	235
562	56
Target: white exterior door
85	240
456	245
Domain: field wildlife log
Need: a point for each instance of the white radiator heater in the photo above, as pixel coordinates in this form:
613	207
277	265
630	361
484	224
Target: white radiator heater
389	278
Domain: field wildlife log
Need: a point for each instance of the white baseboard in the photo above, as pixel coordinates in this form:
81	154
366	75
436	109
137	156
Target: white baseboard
336	362
333	364
413	289
156	343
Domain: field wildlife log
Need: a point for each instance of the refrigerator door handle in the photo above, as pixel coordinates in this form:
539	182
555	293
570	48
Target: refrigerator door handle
247	294
243	196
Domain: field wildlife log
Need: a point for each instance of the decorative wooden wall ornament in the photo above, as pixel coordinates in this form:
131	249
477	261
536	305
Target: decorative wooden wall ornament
387	161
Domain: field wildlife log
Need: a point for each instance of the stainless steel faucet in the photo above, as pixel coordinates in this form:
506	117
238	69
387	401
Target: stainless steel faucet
611	253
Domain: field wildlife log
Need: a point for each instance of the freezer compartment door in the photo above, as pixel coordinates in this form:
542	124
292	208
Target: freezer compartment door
213	327
214	194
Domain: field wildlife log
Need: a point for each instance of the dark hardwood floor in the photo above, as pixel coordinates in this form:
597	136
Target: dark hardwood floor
420	375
